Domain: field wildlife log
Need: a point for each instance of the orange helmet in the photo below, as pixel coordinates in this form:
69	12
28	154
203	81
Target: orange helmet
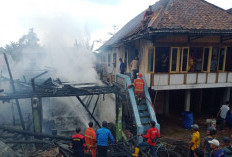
140	75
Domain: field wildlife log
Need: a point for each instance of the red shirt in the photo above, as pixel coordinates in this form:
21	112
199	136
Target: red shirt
78	142
139	86
151	132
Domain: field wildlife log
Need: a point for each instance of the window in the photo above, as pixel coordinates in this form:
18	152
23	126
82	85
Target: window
109	57
161	59
228	66
114	59
174	59
184	59
150	63
214	60
222	59
206	59
162	55
125	56
195	59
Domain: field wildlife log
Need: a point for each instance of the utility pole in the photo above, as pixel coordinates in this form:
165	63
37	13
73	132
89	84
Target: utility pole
13	87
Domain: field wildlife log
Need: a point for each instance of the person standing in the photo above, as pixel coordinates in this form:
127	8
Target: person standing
103	135
216	151
222	114
195	141
211	134
198	153
226	146
147	16
134	68
122	66
229	121
78	143
138	87
90	139
151	137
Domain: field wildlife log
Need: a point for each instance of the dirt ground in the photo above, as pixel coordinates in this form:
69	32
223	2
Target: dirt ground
172	127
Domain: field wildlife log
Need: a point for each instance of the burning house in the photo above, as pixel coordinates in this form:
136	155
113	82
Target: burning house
184	51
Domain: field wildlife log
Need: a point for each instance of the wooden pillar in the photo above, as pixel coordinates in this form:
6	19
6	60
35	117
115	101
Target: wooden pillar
166	103
37	114
187	100
199	104
227	95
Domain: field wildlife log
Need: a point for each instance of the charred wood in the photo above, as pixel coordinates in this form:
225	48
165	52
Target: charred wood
37	135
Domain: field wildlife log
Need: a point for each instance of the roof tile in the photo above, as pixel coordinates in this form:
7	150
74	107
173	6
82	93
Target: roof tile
178	15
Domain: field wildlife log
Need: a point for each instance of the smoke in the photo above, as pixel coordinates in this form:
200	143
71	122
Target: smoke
65	53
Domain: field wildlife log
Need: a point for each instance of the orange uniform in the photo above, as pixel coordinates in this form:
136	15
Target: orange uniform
138	86
90	140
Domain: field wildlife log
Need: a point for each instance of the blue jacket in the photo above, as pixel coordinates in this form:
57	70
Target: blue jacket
122	68
103	135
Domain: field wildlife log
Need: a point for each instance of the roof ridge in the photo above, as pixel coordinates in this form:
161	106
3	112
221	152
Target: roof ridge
204	1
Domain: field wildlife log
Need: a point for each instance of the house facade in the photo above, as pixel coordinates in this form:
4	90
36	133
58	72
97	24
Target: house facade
185	54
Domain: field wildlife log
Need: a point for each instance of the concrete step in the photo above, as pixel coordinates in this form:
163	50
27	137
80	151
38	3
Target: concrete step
144	114
141	104
145	120
142	107
143	101
146	127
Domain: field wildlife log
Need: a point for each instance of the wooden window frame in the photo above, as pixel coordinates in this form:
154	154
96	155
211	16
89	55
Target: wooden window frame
224	59
182	55
150	72
109	59
177	60
209	59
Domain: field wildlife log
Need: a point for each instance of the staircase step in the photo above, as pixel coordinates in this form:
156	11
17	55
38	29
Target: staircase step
142	107
145	120
143	114
146	127
143	101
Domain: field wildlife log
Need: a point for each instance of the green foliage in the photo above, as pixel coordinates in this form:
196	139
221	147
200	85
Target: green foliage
26	42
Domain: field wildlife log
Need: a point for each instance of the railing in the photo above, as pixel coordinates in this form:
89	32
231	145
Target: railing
125	80
162	81
149	105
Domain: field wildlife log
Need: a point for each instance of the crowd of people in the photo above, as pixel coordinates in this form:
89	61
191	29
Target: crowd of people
211	146
97	143
92	142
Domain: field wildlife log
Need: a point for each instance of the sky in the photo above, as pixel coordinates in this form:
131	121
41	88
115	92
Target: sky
73	19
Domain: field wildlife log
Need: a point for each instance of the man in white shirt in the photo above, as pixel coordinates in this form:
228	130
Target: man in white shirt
134	68
222	112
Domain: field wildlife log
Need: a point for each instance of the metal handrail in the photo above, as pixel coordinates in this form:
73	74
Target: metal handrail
127	82
149	105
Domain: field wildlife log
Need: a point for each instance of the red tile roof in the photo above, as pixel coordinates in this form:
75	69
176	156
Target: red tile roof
230	10
187	16
194	14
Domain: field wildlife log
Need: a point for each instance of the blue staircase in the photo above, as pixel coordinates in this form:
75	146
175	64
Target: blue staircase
143	112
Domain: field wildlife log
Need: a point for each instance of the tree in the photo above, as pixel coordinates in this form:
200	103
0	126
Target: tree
28	41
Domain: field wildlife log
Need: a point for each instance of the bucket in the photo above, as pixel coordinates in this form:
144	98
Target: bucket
187	119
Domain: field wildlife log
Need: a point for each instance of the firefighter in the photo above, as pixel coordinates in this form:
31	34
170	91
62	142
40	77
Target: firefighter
138	86
78	143
151	137
90	139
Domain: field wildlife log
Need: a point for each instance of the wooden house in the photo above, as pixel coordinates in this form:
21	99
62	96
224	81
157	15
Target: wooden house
185	53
